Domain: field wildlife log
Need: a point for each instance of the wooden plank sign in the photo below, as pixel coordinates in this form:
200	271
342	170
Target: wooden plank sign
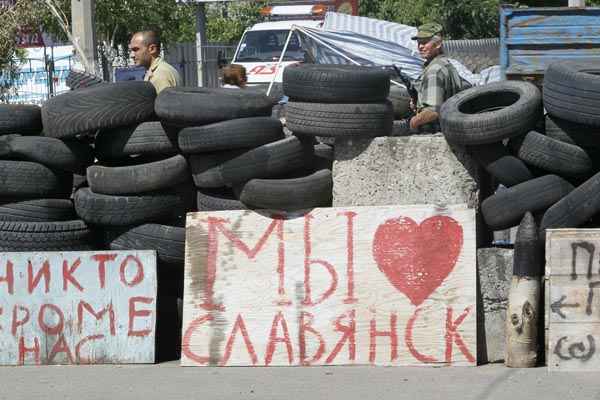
336	286
572	268
77	307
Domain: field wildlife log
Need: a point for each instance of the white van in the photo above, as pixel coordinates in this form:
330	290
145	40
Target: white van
261	45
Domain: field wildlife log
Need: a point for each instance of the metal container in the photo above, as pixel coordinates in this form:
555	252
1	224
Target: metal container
533	38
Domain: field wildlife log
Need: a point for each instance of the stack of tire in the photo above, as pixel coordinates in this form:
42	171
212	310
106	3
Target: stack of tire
36	213
548	163
329	101
239	156
132	198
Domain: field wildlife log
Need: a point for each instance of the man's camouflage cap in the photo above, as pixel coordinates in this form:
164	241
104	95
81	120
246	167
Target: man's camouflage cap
427	31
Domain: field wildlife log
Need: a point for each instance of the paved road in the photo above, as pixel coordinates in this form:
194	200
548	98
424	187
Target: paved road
168	381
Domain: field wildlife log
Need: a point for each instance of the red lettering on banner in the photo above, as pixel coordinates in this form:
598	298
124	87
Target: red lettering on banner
60	347
392	334
51	330
308	262
306	326
348	335
102	260
97	315
133	312
24	350
267	70
350	299
453	336
281	263
215	225
43	272
256	70
139	276
68	274
82	342
241	326
19	322
273	339
9	278
408	338
187	337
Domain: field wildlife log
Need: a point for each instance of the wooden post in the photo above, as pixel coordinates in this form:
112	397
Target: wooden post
524	298
201	42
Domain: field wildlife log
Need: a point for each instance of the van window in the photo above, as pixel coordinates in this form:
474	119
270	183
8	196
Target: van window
266	46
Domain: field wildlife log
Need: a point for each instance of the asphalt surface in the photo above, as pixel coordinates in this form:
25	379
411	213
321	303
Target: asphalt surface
169	381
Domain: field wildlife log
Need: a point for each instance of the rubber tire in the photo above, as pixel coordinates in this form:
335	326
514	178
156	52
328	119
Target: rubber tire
497	161
138	178
24	179
572	93
317	83
42	210
506	208
191	106
575	209
270	160
573	133
324	156
400	100
68	155
21	119
552	155
99	107
45	236
168	241
218	200
101	209
147	138
201	163
78	80
340	120
307	192
464	123
227	135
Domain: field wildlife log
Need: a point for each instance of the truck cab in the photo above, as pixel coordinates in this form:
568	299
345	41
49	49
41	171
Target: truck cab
261	45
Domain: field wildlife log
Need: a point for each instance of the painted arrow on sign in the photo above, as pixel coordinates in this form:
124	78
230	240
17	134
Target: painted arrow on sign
558	305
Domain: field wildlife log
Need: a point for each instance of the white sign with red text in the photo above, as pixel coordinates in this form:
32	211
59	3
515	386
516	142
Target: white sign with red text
77	307
390	285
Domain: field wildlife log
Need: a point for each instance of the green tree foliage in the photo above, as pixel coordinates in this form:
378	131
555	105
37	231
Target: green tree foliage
462	19
116	20
226	22
22	15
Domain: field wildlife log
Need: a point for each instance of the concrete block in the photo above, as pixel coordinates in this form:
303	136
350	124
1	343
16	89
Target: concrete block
494	272
417	169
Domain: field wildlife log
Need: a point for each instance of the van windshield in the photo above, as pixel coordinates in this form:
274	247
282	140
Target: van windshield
266	46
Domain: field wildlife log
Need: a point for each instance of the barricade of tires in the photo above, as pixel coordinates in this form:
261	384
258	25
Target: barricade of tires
338	101
36	172
548	163
189	149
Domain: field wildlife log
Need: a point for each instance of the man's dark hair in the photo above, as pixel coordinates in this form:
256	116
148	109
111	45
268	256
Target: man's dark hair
150	37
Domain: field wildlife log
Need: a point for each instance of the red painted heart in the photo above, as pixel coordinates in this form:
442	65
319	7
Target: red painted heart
417	258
